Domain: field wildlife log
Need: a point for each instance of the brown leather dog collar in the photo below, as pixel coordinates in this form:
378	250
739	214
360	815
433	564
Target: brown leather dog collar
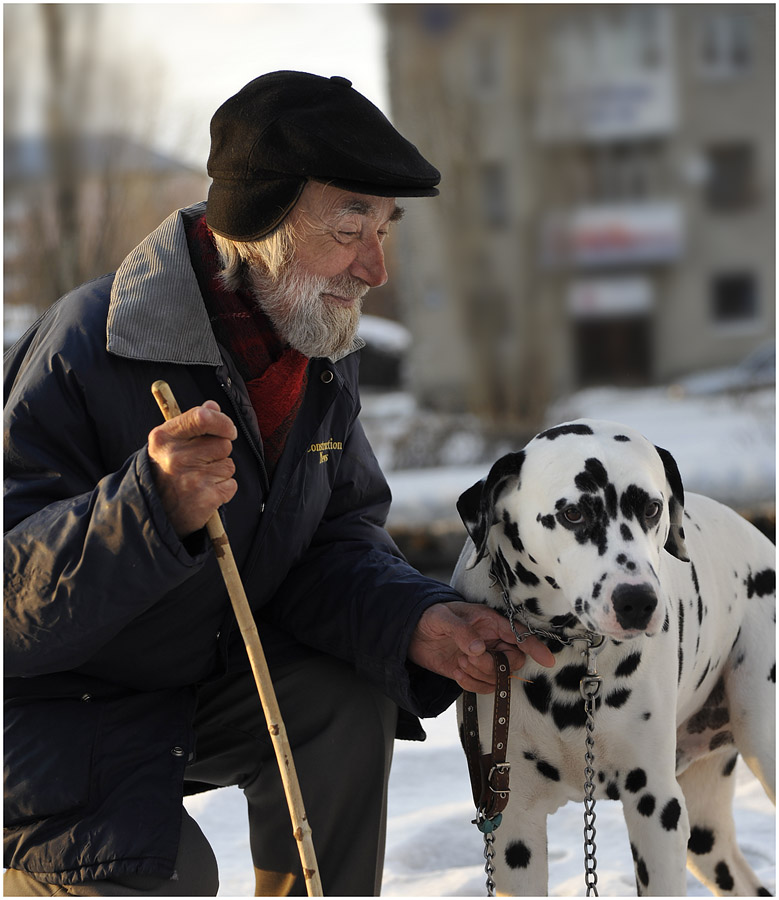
489	772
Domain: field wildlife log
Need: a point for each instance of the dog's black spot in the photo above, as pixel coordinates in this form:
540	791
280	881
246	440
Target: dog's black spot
517	855
601	777
635	781
633	503
539	693
628	665
531	559
681	640
669	817
548	522
553	433
694	576
508	579
772	674
622	559
596	588
532	605
568	620
593	478
700	610
721	739
525	576
723	877
548	770
666	623
627	534
511	530
701	840
621	437
569	677
550	581
610	493
763	892
703	677
642	874
569	716
727	769
612	791
762	584
646	805
618	698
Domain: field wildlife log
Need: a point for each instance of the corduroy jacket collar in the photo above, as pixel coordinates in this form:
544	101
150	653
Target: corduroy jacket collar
156	285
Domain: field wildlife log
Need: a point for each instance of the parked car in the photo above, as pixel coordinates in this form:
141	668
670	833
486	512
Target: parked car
756	370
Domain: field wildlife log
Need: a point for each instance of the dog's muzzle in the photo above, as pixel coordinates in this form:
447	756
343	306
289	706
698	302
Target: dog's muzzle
634	605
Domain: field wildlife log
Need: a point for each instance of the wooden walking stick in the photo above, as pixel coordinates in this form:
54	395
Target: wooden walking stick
224	554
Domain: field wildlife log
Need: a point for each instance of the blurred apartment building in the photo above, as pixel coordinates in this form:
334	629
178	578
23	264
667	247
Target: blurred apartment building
607	200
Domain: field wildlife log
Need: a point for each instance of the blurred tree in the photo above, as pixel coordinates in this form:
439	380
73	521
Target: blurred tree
82	186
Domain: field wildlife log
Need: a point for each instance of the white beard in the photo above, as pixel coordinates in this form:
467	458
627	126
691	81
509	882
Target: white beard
302	317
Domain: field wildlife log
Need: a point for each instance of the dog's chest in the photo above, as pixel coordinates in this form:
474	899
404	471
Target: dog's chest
550	724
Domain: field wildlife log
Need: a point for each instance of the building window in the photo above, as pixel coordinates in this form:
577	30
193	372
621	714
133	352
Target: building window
623	172
495	195
734	298
725	42
730	183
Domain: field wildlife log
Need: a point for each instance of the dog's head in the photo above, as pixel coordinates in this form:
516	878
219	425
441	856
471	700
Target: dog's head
574	526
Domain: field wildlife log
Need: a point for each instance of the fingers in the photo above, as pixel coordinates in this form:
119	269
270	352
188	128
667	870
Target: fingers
192	467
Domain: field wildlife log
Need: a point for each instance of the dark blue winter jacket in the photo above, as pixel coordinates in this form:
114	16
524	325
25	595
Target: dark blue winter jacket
111	621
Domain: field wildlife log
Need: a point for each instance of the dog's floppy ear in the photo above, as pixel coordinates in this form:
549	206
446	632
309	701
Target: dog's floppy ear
675	543
477	505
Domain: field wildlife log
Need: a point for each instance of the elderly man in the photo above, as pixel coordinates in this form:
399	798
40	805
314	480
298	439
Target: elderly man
127	685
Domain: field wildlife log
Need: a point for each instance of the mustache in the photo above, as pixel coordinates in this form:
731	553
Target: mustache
345	286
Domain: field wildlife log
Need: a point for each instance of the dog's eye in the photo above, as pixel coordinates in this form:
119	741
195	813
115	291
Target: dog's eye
653	509
573	514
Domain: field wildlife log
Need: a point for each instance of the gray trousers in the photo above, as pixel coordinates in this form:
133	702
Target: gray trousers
341	731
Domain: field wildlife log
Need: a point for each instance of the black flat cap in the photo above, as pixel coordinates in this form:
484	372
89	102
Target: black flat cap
285	128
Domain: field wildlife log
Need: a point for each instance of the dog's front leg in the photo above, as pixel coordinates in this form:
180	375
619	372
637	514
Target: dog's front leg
521	864
658	827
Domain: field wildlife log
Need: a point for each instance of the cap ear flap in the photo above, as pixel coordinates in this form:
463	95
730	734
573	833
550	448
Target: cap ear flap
674	544
477	505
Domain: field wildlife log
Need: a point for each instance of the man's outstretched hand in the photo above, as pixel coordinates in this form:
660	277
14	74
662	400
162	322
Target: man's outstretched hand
452	639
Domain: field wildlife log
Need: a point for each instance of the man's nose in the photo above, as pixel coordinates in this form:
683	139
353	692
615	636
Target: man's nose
368	265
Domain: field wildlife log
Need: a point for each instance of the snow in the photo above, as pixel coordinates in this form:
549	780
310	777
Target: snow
724	446
384	334
433	850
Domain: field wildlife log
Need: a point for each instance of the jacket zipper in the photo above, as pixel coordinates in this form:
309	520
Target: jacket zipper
247	434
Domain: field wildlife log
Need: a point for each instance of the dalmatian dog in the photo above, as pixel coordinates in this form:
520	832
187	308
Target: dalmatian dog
587	534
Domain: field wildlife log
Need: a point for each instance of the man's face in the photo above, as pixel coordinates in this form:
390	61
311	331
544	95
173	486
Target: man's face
316	300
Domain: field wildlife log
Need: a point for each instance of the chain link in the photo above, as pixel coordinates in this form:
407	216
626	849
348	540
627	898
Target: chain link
489	868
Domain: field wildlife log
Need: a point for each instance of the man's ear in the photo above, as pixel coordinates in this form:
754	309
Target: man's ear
476	506
675	542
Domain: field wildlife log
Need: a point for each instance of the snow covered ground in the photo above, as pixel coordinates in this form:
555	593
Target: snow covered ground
725	446
433	850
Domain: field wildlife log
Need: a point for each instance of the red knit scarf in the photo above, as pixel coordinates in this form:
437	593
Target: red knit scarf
275	375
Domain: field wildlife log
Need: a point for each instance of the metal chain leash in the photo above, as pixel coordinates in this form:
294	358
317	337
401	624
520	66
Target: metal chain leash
489	868
589	687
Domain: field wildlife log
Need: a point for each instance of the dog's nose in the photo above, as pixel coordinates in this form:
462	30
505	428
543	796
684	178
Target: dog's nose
634	604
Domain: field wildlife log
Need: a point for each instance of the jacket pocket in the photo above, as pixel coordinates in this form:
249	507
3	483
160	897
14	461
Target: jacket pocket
48	752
